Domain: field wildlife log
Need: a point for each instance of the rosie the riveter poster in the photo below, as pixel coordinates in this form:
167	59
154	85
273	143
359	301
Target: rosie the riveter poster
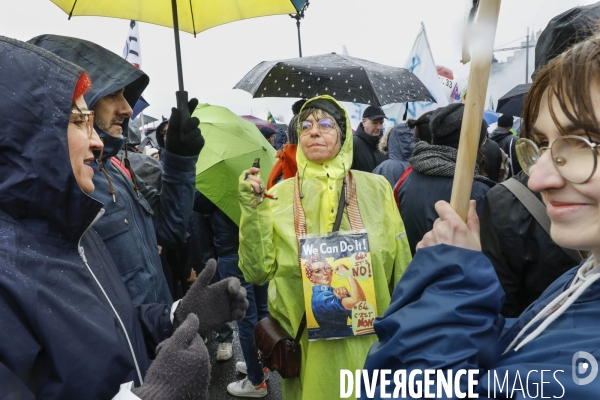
338	284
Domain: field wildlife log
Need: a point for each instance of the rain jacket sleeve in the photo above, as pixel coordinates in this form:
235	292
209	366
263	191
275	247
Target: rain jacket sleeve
444	314
256	252
173	206
402	252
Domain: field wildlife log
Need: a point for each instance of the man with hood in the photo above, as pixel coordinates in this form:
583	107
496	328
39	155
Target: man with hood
137	215
69	328
366	140
505	136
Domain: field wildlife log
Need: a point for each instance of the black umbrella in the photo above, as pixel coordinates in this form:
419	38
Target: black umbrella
565	30
512	102
342	77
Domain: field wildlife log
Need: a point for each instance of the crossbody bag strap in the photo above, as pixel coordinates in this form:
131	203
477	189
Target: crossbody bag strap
537	209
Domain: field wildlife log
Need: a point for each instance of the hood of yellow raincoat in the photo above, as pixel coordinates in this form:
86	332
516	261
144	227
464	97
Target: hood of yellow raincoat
340	165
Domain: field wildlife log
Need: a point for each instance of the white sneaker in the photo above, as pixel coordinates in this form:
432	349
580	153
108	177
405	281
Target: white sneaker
241	367
225	351
245	388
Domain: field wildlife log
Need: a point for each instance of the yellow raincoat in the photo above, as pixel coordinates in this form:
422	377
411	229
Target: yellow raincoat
269	252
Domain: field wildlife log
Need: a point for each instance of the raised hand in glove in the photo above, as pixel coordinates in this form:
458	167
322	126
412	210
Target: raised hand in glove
181	370
214	305
184	137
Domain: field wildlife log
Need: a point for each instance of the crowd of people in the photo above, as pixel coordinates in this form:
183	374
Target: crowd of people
115	269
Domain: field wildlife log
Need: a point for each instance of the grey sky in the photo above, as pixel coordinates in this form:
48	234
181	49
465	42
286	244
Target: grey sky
378	30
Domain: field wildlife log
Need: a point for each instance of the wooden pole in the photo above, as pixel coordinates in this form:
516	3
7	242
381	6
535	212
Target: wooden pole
484	33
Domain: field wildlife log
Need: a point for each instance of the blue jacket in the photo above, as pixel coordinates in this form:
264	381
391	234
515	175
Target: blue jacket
66	319
400	143
445	314
417	197
133	221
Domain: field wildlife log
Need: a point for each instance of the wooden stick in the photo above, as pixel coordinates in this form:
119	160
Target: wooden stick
485	33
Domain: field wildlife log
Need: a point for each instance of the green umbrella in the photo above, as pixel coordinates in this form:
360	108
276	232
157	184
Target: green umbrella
231	145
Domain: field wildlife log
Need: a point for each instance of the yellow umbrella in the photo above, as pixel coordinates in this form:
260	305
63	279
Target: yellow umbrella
191	16
195	16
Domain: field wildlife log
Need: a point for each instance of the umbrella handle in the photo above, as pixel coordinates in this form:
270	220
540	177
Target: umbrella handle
479	75
182	104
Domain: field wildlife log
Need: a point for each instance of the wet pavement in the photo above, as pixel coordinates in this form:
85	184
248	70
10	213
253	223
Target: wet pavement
224	372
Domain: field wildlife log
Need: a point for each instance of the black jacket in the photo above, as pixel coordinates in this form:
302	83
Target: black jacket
66	318
366	155
417	197
526	259
492	160
225	233
507	142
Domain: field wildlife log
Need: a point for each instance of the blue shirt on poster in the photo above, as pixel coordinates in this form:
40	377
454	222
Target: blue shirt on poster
329	312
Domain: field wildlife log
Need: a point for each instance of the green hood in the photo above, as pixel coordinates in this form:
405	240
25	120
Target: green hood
340	165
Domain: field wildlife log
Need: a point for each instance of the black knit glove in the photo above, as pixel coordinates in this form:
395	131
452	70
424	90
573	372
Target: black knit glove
181	370
184	139
214	305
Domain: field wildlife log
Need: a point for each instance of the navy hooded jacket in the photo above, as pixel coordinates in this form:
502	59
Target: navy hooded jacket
445	315
400	143
68	329
133	221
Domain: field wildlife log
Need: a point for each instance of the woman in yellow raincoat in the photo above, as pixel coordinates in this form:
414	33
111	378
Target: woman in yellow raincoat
269	245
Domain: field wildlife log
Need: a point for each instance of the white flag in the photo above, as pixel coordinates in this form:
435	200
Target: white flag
132	51
420	62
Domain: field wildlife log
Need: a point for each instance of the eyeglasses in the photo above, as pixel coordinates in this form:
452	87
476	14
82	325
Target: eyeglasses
87	116
324	125
574	157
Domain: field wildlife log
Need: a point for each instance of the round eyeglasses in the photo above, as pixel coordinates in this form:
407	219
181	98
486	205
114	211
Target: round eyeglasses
86	116
574	157
324	125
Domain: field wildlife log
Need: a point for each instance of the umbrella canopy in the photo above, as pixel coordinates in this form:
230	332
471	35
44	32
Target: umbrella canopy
231	145
258	122
194	16
343	77
512	102
191	16
490	116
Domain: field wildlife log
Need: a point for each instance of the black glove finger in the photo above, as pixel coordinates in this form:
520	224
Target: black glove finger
192	104
174	121
207	274
191	124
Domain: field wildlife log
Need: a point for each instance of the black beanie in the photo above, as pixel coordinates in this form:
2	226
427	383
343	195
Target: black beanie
267	132
506	121
332	108
445	125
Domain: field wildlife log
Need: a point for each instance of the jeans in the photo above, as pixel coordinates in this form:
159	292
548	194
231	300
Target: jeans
224	333
257	309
